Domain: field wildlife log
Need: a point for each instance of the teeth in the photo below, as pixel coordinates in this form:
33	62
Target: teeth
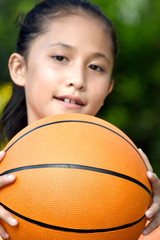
72	101
69	101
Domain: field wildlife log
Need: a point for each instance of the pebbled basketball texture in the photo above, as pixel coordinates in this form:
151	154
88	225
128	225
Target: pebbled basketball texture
78	178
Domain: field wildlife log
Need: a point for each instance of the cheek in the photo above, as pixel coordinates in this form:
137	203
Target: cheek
100	92
35	91
97	100
39	82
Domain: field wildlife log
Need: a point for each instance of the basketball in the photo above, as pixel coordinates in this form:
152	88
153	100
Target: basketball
78	177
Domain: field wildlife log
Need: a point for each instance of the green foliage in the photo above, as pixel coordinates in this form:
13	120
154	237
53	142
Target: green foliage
5	93
9	14
133	106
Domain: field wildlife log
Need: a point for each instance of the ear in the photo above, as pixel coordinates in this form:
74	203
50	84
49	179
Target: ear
109	90
17	67
110	87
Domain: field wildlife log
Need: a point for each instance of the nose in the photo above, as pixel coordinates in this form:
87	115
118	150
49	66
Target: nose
76	78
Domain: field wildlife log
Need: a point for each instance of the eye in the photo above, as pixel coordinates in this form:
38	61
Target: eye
96	68
60	58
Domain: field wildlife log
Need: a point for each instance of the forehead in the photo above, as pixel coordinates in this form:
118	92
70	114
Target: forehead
87	34
78	23
77	12
73	27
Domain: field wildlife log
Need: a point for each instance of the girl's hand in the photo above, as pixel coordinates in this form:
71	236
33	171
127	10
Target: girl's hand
4	214
153	213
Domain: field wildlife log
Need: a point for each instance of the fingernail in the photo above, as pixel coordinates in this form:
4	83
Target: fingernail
140	149
144	232
13	222
148	213
11	177
2	153
6	236
149	174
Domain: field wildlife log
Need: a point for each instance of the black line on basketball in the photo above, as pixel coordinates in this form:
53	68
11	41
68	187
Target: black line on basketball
77	166
45	225
75	121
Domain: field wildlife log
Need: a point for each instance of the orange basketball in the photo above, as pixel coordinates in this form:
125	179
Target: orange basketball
78	178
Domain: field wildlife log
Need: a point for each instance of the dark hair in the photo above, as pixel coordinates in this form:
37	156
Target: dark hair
14	117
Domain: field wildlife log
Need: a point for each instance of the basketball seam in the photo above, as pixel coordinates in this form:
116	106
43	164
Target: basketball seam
75	121
49	226
77	166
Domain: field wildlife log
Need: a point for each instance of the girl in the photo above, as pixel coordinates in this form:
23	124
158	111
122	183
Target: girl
65	55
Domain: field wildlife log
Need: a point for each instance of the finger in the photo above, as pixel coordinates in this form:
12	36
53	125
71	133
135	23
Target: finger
155	181
152	210
2	153
151	226
146	161
7	217
3	233
155	184
7	179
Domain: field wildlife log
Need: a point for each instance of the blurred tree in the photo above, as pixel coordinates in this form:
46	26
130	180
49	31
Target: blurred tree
134	104
9	12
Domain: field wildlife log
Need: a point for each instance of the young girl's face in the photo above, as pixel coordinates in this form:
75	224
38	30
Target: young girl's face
69	68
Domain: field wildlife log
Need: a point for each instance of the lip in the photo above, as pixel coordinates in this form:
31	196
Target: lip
78	102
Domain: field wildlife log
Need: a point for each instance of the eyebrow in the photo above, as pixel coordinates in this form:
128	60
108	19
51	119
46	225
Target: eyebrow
101	55
64	45
60	44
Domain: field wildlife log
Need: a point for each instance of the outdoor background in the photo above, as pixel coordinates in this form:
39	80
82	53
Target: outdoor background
134	105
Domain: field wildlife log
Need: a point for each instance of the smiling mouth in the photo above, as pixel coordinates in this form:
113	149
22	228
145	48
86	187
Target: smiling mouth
67	100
